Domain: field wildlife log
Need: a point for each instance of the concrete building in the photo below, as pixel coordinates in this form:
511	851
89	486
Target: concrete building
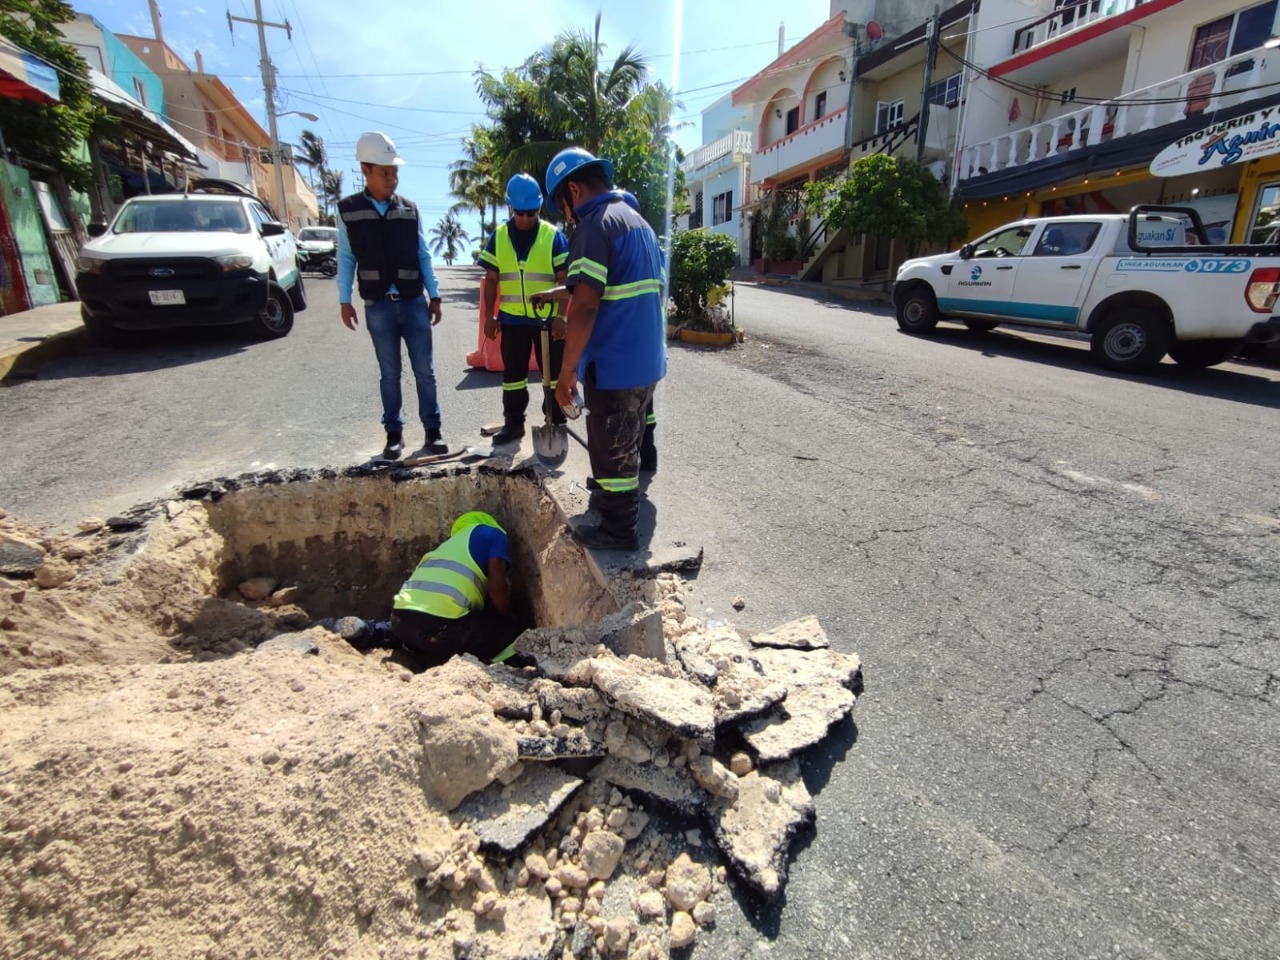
716	173
231	144
1040	135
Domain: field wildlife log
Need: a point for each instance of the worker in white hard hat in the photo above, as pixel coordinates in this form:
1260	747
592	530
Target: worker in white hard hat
382	250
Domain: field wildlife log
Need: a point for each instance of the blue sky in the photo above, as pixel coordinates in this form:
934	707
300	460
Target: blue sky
406	66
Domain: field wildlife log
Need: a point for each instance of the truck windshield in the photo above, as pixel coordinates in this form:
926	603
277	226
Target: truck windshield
319	235
182	215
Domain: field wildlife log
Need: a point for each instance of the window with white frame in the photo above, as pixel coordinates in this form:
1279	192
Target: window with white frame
946	92
889	114
140	92
1238	32
722	208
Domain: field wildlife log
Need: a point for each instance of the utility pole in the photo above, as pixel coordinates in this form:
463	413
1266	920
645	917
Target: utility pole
932	30
269	86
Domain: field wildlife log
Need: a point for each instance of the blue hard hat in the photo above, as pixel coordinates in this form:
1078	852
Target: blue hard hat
570	159
523	193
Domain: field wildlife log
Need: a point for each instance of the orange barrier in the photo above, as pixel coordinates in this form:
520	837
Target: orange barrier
488	353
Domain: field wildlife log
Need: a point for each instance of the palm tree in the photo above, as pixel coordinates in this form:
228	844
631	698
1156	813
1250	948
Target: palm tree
447	236
477	181
312	155
331	187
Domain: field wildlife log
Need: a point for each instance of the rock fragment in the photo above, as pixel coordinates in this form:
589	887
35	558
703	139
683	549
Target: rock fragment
803	634
465	747
600	854
19	557
54	573
683	930
257	588
688	883
669	786
301	643
646	690
714	777
755	833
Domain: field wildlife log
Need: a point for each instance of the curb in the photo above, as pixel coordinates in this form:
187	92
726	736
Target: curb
16	362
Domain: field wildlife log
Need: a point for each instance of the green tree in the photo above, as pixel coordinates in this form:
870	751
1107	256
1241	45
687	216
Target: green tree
447	237
311	154
476	180
50	134
645	156
891	197
700	265
331	190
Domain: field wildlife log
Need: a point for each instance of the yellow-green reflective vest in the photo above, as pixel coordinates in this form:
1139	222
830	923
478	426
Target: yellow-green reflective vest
519	280
447	582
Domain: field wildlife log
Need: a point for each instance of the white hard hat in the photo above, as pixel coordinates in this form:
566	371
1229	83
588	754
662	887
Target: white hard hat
376	147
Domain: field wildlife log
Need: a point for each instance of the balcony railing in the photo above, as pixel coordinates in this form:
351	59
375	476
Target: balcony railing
1067	18
729	147
1199	92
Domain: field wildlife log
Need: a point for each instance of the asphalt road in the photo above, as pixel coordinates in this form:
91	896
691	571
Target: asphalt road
1061	582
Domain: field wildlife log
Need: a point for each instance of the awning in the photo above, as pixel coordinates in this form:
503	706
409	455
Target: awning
24	76
135	117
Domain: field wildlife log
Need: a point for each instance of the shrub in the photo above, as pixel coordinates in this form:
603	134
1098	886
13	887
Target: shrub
700	266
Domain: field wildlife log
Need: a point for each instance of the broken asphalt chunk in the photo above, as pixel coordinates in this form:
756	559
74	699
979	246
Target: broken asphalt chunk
755	831
648	691
803	634
573	747
504	818
668	786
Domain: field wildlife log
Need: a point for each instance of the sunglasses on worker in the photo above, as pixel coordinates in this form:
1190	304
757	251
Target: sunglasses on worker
525	213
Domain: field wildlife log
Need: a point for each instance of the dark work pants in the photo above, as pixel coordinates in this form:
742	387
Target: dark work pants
516	341
615	428
433	640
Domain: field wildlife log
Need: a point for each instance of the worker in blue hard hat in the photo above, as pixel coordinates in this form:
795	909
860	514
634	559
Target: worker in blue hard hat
456	601
525	256
615	334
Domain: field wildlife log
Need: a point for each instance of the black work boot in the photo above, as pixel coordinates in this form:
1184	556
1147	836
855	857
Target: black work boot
435	443
648	451
395	445
512	430
596	537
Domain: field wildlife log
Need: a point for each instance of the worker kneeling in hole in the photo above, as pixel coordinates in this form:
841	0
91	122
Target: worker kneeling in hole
456	601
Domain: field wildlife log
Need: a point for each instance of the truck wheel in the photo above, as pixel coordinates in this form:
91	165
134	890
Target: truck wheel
980	327
101	331
1130	341
298	295
918	310
276	318
1203	353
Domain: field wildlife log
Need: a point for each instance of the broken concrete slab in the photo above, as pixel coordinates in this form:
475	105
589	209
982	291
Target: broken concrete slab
668	786
803	634
18	559
802	721
635	630
670	558
808	668
755	831
743	694
652	692
301	643
464	747
689	652
504	818
573	747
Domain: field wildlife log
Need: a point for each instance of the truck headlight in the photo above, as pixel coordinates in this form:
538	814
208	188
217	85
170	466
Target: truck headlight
89	264
234	261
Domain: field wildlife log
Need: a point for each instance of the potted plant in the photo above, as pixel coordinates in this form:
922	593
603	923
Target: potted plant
701	297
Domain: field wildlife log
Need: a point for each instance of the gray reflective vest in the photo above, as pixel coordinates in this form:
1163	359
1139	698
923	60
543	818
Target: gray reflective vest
385	247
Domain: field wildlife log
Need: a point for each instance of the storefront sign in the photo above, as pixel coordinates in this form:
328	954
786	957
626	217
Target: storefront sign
1248	137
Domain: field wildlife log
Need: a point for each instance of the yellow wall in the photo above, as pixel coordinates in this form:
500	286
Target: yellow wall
1253	177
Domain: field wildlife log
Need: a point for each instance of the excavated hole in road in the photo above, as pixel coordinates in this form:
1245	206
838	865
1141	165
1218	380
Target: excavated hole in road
343	546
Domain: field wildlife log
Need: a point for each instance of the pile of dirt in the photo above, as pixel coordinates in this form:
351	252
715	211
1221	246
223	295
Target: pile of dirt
278	793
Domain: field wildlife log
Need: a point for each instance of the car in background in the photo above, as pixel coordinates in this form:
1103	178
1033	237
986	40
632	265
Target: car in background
208	257
318	250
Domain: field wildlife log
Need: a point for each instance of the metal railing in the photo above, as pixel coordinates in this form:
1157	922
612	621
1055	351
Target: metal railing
1246	76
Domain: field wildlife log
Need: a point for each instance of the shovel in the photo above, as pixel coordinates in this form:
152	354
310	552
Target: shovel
550	441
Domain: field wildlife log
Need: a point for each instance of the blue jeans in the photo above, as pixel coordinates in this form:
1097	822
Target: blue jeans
389	322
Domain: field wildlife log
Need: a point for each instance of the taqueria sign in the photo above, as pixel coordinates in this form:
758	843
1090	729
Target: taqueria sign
1224	144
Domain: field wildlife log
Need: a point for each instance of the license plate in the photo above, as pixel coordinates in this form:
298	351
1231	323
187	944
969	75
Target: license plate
161	298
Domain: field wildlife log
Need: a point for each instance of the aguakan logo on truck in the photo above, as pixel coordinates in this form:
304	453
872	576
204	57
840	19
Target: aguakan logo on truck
1247	137
975	279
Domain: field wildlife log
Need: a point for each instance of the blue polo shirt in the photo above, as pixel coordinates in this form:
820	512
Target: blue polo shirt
615	252
487	543
522	241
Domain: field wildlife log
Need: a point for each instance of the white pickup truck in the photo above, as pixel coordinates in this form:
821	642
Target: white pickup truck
1142	285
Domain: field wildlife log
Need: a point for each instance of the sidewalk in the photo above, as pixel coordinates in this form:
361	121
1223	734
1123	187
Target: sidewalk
846	289
46	329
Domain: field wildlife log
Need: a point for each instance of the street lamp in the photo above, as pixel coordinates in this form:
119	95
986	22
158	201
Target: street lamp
277	156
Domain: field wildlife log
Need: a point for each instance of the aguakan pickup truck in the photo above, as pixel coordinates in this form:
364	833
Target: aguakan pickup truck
1142	286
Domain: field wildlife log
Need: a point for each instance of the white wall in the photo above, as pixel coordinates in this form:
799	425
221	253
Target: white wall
722	118
1162	48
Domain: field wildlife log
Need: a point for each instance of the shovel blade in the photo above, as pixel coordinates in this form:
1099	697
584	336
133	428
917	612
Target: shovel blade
550	445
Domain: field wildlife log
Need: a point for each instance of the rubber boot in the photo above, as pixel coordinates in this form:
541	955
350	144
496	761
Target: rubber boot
648	451
512	430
